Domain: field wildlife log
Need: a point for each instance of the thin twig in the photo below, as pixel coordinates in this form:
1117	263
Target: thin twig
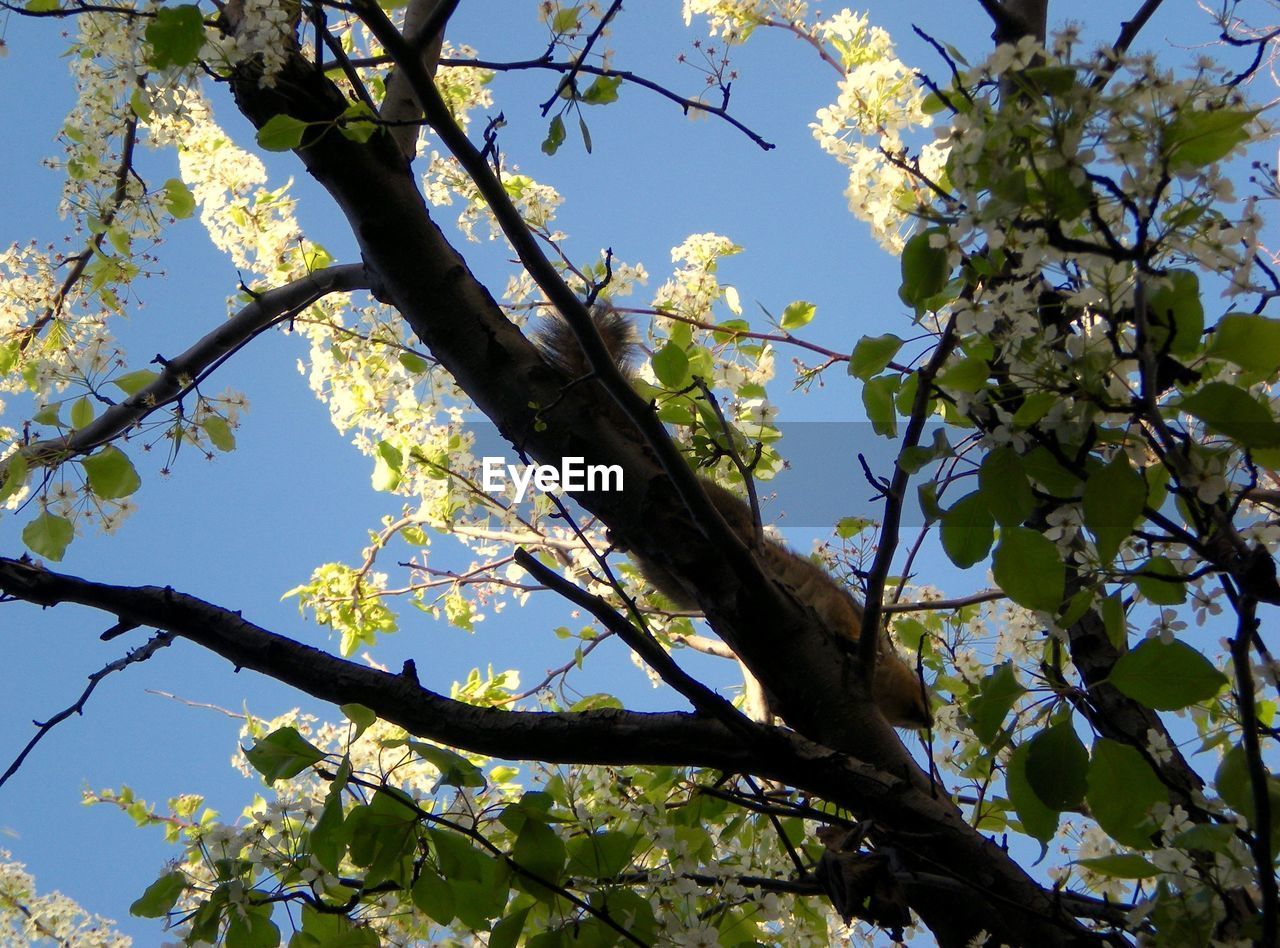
140	654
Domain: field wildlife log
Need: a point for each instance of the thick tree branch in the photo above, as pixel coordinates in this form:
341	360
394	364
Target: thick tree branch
932	833
817	688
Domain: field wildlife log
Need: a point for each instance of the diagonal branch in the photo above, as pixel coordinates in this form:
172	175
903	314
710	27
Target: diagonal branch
643	643
182	372
141	654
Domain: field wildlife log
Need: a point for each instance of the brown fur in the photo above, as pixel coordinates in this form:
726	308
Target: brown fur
897	689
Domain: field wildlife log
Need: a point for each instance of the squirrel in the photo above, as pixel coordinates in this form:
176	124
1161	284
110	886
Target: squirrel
898	691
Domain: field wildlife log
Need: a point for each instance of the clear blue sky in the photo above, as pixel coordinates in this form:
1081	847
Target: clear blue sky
243	529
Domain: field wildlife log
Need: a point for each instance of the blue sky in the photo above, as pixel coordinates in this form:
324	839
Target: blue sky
243	529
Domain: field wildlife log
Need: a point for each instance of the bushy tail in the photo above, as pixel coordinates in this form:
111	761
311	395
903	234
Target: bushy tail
560	346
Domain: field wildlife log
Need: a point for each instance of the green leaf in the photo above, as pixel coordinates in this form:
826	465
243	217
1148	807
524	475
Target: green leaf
968	530
1057	767
1229	410
387	464
1166	676
161	896
1038	821
1028	567
877	400
797	314
1162	592
281	133
1043	468
15	475
1063	198
111	474
251	927
1195	139
219	433
997	694
540	851
671	366
1120	866
1251	342
1111	608
413	363
924	269
455	770
176	35
1005	487
603	91
555	136
48	536
1175	315
42	6
328	841
283	754
360	716
565	19
131	383
967	375
1113	500
1034	407
1122	790
585	133
506	933
434	897
178	201
602	855
81	413
872	354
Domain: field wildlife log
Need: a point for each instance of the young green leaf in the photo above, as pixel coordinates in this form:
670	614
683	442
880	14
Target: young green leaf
1175	315
671	366
1160	583
797	314
555	136
178	200
877	399
1166	676
81	413
1057	767
131	383
1197	138
281	133
1251	342
1113	502
997	694
219	433
48	535
176	35
161	896
111	474
1038	821
924	269
1029	568
1005	487
968	530
603	91
283	754
1231	411
872	354
1122	790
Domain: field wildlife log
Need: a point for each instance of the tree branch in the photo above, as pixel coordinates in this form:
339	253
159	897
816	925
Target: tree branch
181	373
141	654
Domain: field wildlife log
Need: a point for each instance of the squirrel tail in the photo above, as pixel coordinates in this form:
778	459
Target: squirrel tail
561	349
